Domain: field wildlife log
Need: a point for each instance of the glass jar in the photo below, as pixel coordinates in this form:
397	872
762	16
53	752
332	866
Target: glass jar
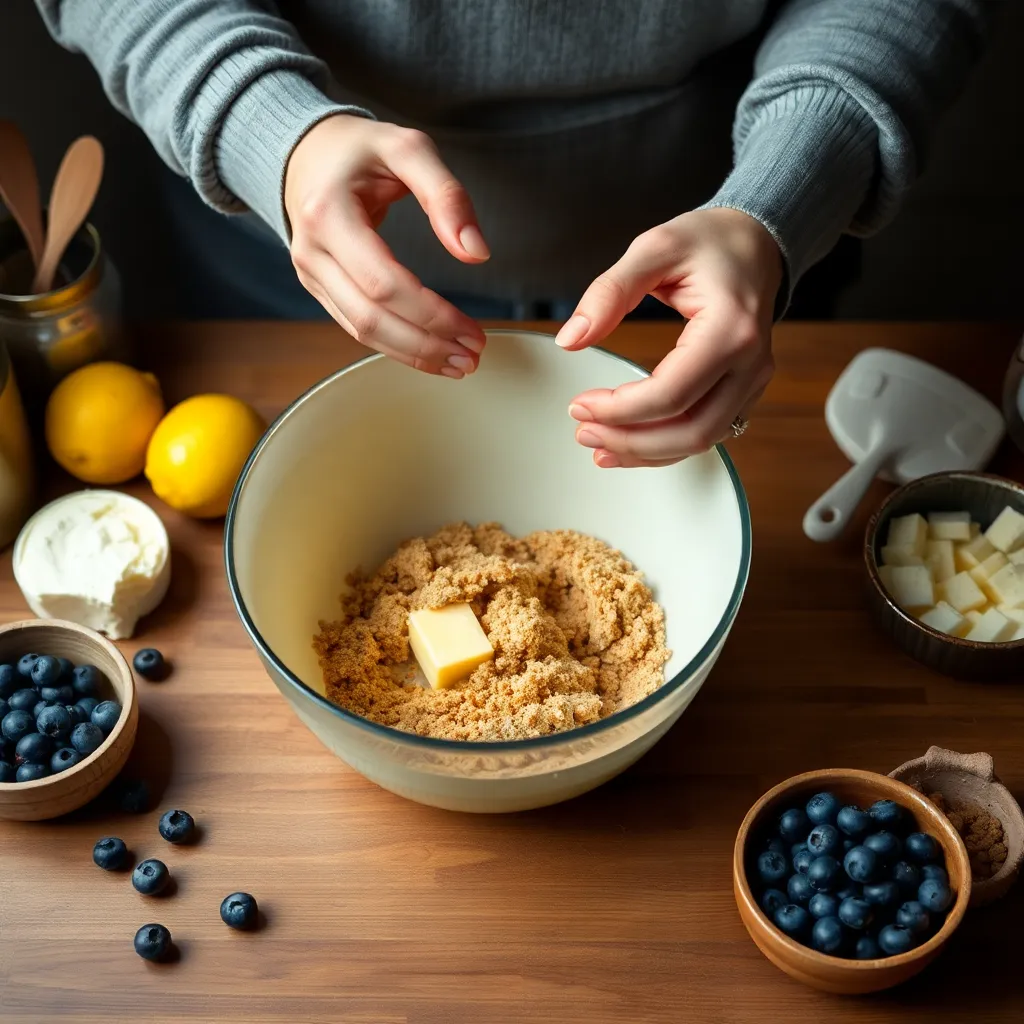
1013	397
17	476
77	322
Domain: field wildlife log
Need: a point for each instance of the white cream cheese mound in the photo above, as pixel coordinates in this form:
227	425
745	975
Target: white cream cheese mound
98	558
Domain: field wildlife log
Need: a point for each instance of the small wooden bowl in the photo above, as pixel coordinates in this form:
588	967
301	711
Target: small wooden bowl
984	496
831	973
68	790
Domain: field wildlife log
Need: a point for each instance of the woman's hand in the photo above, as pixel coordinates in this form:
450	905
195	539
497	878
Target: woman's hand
721	269
340	180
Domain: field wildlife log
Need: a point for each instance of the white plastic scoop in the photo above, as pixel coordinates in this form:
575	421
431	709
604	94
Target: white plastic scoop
900	418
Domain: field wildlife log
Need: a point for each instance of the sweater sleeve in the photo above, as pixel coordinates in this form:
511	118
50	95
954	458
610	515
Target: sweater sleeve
224	89
834	127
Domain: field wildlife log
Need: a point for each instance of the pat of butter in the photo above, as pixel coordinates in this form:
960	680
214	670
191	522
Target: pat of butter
449	643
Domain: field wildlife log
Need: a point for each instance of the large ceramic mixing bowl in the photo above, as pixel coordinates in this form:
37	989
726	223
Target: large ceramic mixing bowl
378	453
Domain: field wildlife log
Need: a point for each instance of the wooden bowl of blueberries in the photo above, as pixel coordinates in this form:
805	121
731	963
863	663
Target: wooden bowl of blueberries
848	881
68	717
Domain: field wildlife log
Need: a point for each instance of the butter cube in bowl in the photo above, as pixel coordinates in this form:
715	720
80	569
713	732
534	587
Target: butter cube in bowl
945	564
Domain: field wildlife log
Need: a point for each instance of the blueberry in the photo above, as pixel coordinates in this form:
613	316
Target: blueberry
934	895
885	844
853	821
856	913
239	910
771	900
67	670
54	721
827	935
884	895
10	680
893	940
888	815
177	827
133	796
793	920
30	772
149	663
105	716
799	890
23	700
17	724
26	663
34	747
4	708
85	738
802	860
777	846
935	871
913	917
772	867
46	671
40	707
150	877
825	873
8	773
87	681
61	694
824	839
920	847
87	705
848	845
152	942
77	714
110	853
793	825
861	864
822	809
66	757
823	904
866	949
848	890
906	876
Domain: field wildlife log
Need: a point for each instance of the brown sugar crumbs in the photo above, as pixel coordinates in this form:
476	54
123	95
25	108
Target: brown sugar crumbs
577	635
981	832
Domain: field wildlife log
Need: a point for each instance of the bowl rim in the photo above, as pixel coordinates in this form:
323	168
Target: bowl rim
871	563
27	625
480	746
840	775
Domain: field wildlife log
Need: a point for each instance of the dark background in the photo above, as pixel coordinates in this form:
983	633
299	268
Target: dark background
955	252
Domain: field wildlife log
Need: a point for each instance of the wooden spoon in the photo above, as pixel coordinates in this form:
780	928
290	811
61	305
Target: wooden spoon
74	189
19	187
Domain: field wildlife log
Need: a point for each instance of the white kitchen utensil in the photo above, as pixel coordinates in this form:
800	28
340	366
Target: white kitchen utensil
901	418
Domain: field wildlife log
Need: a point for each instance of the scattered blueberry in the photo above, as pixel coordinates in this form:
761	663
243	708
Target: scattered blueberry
906	876
824	839
922	848
30	772
66	757
26	663
822	809
87	705
54	721
827	935
823	904
34	748
8	773
61	694
799	889
853	821
105	716
793	920
133	796
87	681
793	825
177	827
884	894
935	871
152	942
85	738
861	864
23	700
10	680
913	917
17	724
893	940
149	663
772	867
110	853
934	895
888	815
802	860
885	844
150	877
771	900
856	913
67	670
866	949
46	671
239	910
824	873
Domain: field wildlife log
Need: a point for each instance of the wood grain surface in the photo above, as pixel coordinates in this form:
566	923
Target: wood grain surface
616	907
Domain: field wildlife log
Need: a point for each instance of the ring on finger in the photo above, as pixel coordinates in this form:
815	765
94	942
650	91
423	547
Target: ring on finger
739	426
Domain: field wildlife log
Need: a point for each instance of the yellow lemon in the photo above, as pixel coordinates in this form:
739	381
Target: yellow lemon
197	451
99	420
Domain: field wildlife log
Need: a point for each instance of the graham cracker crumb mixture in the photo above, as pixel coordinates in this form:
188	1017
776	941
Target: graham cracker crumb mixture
576	634
981	832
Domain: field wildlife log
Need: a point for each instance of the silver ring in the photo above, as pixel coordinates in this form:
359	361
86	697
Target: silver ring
739	426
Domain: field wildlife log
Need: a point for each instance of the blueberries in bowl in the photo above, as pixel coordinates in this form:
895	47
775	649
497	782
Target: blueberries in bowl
822	809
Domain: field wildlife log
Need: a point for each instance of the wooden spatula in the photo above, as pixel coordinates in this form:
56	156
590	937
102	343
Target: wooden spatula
19	187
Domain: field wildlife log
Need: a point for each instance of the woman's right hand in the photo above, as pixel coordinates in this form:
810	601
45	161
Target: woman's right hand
340	180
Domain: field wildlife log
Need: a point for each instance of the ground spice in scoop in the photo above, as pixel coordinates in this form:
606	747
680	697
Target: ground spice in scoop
981	832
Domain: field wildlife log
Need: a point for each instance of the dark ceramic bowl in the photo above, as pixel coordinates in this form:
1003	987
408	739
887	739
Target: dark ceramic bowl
984	496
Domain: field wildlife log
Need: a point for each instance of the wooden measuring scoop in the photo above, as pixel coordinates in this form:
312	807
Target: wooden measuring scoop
19	187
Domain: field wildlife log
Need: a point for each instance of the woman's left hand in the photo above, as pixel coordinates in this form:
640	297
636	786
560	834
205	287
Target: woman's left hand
720	269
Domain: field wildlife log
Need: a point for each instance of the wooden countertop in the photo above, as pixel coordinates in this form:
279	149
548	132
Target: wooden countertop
616	907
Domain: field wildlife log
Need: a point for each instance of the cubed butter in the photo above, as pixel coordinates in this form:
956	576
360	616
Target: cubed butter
962	593
1007	532
912	586
975	530
1014	614
949	525
1019	635
1007	584
449	643
1017	557
973	553
983	572
973	617
902	554
908	531
992	628
945	618
938	556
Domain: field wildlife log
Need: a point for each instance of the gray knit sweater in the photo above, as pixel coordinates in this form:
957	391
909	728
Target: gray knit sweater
575	124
